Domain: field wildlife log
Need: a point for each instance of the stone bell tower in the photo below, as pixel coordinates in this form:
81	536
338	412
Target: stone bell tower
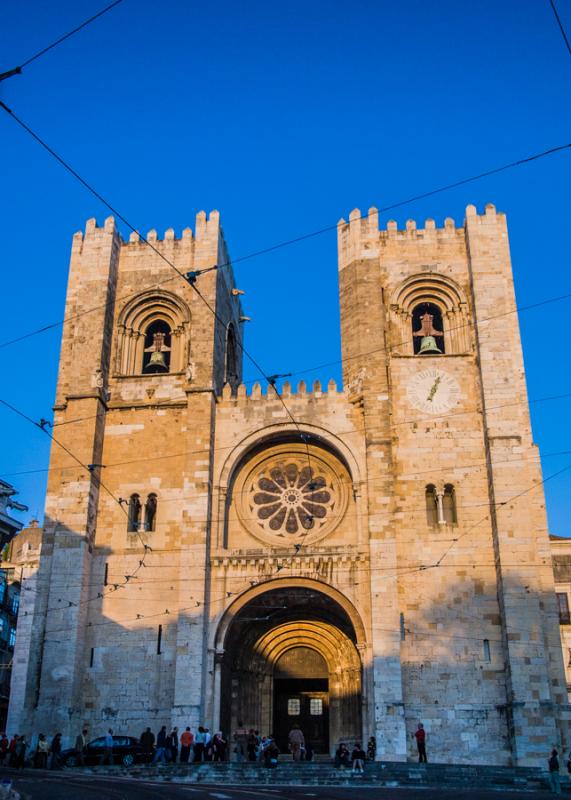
122	398
432	356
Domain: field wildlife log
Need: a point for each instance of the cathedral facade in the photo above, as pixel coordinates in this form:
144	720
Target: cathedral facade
352	560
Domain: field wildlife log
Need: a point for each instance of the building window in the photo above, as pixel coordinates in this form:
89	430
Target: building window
150	512
12	638
449	505
427	332
15	603
487	653
231	375
431	505
563	603
134	520
157	350
294	707
316	706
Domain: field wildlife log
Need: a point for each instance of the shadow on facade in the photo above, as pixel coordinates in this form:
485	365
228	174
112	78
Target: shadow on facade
289	651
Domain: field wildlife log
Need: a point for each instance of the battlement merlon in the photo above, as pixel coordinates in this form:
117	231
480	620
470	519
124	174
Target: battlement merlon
362	238
257	394
206	244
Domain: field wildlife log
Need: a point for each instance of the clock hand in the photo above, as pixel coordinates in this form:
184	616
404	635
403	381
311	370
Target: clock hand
433	390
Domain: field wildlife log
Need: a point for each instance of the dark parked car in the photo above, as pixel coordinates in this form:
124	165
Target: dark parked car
126	751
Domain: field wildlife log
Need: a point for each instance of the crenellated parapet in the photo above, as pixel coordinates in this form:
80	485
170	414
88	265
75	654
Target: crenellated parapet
258	394
362	238
206	237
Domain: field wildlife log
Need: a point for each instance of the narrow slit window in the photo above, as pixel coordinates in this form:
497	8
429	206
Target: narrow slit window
159	640
431	505
151	512
449	505
134	520
563	604
91	655
487	654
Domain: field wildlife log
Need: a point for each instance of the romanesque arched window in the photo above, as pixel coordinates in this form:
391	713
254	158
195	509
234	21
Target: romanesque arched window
429	316
427	331
151	512
449	505
134	513
153	335
431	505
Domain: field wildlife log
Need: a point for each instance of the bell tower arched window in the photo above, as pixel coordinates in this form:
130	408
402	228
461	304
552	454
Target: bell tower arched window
153	335
157	349
429	314
134	518
427	330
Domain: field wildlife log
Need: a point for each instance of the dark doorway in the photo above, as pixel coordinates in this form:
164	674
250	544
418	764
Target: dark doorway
304	703
301	697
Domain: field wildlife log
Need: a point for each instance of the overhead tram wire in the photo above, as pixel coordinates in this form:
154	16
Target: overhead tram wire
257	253
90	469
18	70
183	453
561	27
189	278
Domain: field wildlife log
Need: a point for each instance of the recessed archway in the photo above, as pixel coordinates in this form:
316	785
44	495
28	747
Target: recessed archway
290	657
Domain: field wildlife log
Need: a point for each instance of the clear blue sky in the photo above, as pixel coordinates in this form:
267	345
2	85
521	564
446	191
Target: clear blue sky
284	117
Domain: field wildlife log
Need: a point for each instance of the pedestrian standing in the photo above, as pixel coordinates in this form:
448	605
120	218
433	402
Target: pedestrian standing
251	745
186	742
20	752
207	745
160	752
199	742
554	777
308	753
107	757
296	742
240	740
55	750
371	748
358	757
80	744
271	754
173	744
420	736
4	742
219	747
42	750
12	750
147	741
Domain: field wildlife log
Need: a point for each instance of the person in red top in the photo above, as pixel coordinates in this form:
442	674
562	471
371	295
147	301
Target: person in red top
186	742
4	748
420	736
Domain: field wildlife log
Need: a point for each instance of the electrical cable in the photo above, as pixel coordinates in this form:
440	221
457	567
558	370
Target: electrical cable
364	429
263	251
44	50
560	24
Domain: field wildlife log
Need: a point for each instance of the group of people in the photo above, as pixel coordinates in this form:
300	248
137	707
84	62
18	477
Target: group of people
13	752
357	757
249	745
172	748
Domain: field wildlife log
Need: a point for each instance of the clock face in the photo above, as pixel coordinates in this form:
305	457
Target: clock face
433	391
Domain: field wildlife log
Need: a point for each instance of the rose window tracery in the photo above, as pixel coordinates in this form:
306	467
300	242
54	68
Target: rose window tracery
292	497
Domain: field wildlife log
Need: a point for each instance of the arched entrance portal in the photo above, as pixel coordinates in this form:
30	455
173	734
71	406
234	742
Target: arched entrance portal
290	657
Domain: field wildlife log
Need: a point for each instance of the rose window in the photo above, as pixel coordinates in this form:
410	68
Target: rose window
293	496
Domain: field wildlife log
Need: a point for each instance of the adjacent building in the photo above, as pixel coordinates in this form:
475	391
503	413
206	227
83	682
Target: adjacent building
354	560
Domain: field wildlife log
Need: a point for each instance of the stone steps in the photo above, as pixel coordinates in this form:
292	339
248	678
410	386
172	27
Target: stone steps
387	774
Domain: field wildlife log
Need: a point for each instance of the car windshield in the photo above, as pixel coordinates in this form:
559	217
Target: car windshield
97	742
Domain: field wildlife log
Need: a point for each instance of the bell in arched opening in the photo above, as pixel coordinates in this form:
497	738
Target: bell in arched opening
427	334
156	358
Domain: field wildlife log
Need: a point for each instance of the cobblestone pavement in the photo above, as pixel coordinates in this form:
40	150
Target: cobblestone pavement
48	786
